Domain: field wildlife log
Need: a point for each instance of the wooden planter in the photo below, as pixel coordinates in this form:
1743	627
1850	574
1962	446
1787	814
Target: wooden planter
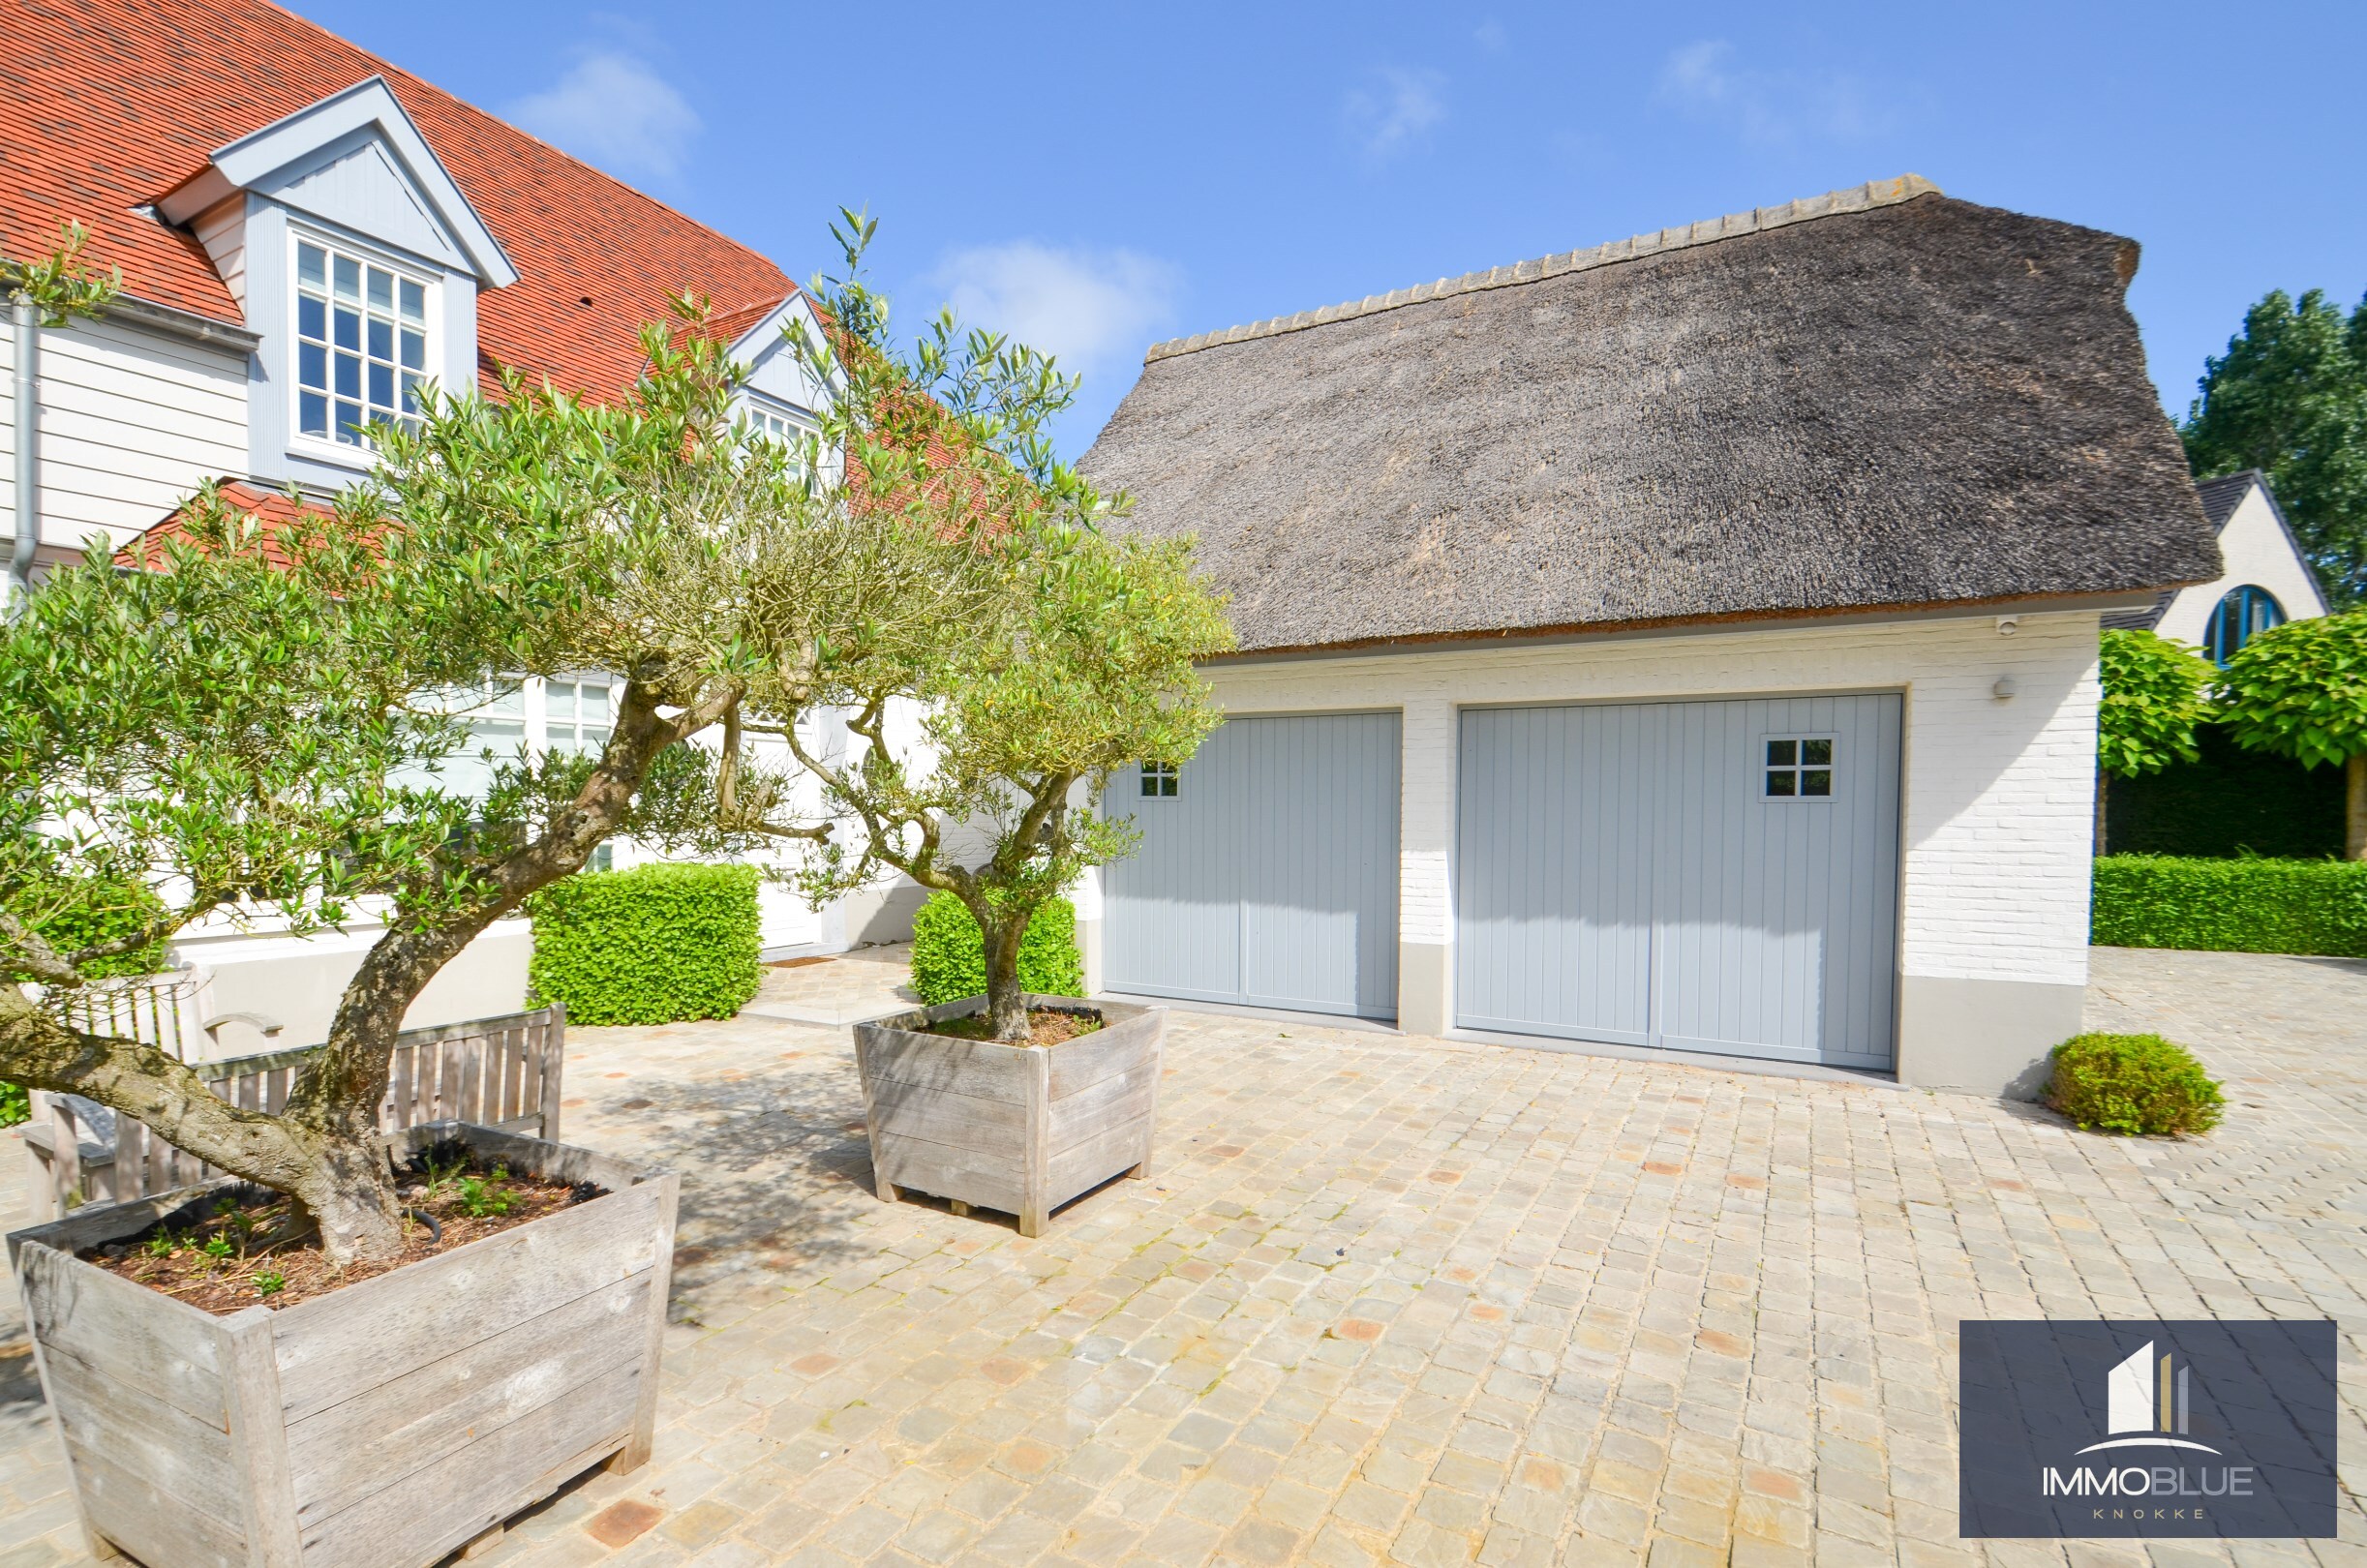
378	1427
1015	1128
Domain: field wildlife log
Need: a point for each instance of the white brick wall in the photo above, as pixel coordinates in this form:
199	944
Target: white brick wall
1998	793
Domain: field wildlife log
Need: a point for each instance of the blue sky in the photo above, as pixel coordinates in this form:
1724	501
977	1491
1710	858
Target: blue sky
1098	177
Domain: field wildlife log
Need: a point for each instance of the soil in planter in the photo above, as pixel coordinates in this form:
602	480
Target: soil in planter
214	1255
1050	1025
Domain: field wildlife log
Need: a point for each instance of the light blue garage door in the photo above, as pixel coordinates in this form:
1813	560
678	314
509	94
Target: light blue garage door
1715	876
1268	869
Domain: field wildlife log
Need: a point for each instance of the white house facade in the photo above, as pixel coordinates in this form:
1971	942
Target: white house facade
1685	648
305	237
2267	583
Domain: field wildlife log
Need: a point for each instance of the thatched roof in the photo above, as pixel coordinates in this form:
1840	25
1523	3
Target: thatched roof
1882	398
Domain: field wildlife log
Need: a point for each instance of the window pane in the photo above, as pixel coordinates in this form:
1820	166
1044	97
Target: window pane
1150	782
1816	753
348	330
382	384
410	393
1816	781
1167	784
381	339
1779	782
312	366
311	317
348	419
1782	753
595	702
382	289
559	700
349	377
348	278
596	738
414	350
312	266
414	301
313	414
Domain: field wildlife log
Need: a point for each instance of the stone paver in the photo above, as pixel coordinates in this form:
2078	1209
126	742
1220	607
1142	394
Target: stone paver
844	989
1397	1300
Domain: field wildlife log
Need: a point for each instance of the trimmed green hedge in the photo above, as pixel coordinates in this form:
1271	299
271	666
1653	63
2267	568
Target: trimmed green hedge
948	957
2231	906
2133	1084
2228	801
654	945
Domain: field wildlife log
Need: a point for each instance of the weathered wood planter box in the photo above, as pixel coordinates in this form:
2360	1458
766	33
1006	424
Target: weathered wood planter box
381	1426
1021	1129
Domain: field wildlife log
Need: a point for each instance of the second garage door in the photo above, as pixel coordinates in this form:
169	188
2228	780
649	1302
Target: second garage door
1707	876
1268	872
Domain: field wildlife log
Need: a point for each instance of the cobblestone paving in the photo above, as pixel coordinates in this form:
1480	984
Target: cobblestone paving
1392	1300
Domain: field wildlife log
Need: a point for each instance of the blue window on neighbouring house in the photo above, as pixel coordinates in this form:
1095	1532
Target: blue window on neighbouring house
1159	778
2243	615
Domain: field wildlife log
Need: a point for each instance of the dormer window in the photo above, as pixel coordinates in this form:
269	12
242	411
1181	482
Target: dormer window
361	343
766	418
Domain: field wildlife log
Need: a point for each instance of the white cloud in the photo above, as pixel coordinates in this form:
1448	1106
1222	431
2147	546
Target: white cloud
612	110
1085	308
1393	110
1707	82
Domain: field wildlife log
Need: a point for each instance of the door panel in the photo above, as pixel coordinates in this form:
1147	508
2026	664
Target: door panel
1623	876
1270	876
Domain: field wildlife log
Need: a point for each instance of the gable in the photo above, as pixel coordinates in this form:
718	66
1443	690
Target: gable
357	183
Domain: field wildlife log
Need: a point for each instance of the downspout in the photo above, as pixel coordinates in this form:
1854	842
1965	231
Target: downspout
27	408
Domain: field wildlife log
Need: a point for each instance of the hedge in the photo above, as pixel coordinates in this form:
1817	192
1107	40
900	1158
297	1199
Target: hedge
2231	906
654	945
2228	801
15	1104
948	957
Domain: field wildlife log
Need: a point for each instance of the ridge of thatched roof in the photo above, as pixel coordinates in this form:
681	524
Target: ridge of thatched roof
1856	199
1882	400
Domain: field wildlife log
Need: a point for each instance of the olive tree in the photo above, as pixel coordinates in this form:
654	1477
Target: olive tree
1056	655
263	722
2300	691
2155	692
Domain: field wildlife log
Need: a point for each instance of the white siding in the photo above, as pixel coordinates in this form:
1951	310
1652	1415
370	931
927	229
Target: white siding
1998	794
2257	551
223	231
131	422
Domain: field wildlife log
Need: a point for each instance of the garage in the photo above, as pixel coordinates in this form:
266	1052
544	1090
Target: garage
1698	876
1268	871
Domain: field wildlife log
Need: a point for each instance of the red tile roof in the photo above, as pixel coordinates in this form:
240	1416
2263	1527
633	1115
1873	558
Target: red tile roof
270	508
106	105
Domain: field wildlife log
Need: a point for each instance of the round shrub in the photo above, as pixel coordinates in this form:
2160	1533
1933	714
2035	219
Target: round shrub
654	944
2133	1083
949	956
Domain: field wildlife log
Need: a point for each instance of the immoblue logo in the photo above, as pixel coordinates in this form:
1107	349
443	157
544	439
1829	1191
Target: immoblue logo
2221	1430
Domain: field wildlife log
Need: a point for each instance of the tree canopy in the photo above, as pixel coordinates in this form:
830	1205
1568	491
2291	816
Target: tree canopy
2155	692
2300	691
2290	398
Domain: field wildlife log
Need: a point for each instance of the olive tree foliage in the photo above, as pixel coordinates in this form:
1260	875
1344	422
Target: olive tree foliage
2300	691
260	723
1055	653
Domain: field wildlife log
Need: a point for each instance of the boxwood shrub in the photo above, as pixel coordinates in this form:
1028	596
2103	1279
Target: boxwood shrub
2231	906
948	957
2133	1083
654	944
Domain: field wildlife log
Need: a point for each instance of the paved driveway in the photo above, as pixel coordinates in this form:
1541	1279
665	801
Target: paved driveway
1394	1299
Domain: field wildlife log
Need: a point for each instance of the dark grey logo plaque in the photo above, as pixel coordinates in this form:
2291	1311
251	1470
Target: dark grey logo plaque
2159	1430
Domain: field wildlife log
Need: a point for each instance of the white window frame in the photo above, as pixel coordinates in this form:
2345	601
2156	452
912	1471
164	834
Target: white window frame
1160	781
328	447
551	740
783	422
1762	768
